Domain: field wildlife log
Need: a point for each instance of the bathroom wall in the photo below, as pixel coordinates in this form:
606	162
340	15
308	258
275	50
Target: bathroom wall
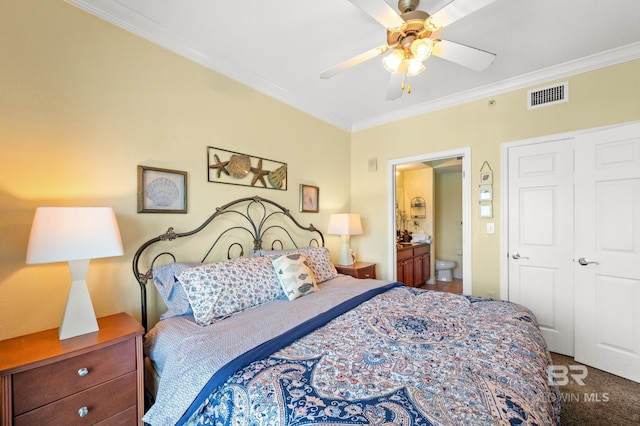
448	218
400	209
419	183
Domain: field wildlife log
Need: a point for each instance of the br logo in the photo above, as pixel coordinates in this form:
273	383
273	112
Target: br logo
562	374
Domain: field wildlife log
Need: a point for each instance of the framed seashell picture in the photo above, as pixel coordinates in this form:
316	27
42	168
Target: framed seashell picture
235	168
161	190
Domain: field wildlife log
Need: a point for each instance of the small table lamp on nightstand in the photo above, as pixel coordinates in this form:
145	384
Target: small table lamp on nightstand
345	225
76	235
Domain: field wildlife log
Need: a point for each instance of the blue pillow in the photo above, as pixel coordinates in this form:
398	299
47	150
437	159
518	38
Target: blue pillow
217	290
171	290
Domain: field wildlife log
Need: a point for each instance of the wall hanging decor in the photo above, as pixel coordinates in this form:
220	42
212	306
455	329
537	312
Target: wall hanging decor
235	168
486	174
309	198
486	210
485	194
161	190
418	208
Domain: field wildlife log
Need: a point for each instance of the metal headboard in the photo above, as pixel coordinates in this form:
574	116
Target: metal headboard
253	221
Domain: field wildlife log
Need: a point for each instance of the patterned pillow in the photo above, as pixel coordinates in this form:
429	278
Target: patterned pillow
318	257
170	289
295	275
217	290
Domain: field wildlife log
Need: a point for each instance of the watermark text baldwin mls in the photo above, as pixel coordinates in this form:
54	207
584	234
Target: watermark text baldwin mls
562	375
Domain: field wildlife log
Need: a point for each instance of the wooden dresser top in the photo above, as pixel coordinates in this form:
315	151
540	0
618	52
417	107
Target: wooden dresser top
20	353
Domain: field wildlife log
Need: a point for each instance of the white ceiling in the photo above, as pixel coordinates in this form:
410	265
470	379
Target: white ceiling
281	47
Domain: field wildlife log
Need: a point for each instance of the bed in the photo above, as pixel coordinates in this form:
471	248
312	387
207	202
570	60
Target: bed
272	334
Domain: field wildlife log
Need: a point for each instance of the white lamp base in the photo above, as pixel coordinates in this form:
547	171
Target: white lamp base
345	251
79	317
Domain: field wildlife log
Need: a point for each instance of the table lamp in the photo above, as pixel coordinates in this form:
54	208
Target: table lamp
75	235
345	225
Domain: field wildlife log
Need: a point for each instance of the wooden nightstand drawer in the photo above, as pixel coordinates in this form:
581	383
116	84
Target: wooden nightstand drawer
368	272
101	402
360	270
127	417
39	386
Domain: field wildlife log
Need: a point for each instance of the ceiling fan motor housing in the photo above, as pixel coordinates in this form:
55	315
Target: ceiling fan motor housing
413	29
408	5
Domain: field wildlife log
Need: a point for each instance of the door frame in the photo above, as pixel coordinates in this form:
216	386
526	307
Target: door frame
465	153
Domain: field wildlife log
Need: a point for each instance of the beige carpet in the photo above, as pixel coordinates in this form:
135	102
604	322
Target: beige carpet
602	399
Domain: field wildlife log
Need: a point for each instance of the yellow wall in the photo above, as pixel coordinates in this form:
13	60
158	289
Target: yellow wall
448	219
82	103
418	183
597	98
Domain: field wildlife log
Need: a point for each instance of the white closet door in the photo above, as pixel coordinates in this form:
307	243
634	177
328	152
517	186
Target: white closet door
607	252
541	237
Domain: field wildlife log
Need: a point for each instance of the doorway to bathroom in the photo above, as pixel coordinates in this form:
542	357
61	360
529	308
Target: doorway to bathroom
442	180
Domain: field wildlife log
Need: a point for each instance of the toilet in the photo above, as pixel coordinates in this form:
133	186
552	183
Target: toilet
444	269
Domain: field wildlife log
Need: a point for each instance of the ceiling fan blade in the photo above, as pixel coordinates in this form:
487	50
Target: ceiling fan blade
460	54
356	60
381	12
455	10
394	91
396	83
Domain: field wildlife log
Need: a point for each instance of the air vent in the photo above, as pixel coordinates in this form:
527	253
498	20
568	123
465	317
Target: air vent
549	95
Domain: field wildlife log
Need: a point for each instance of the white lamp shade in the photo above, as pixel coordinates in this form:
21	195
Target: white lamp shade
414	68
393	60
61	234
422	48
344	224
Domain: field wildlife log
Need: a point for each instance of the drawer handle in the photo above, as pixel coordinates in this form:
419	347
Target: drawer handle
83	372
366	275
83	411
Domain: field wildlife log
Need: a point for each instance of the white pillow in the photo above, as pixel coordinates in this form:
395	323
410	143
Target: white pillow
295	275
318	257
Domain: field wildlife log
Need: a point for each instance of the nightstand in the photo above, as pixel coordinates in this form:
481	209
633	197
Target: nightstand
88	379
358	270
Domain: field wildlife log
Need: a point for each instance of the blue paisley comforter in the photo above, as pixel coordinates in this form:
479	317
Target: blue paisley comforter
403	356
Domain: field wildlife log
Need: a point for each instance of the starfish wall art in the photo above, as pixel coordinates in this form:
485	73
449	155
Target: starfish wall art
241	169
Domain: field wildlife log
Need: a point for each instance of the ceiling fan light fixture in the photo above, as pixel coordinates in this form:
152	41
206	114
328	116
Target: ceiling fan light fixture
414	67
431	25
392	61
421	48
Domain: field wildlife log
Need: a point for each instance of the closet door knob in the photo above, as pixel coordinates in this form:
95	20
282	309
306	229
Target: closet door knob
517	256
585	262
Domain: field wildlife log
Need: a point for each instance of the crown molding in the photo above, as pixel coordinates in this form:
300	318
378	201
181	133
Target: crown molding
601	60
111	10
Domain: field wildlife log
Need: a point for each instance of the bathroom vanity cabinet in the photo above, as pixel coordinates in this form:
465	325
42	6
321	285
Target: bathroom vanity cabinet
414	263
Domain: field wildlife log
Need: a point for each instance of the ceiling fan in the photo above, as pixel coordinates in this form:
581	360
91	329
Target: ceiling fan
409	38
